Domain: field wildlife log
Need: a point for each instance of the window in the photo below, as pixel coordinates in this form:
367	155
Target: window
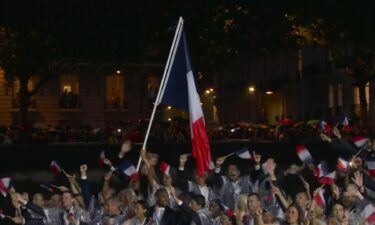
68	88
331	96
357	100
69	92
70	83
115	91
340	94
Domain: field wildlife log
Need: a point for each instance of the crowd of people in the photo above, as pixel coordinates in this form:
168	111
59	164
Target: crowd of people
176	130
264	192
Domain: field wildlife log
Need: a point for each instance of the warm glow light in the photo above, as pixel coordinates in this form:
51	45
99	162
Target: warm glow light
207	91
169	119
269	92
201	103
169	107
118	71
211	89
251	89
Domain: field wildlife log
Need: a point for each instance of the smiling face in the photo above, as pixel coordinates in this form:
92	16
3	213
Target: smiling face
233	173
162	198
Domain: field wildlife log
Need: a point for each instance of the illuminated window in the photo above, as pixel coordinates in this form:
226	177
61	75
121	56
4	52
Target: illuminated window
115	90
340	94
357	100
69	83
68	88
331	96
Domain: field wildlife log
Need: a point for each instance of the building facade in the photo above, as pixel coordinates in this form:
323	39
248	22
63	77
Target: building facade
83	96
300	85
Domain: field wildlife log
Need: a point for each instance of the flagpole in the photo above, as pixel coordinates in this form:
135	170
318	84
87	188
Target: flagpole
166	70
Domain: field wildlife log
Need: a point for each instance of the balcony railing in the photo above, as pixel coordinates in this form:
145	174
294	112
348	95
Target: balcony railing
72	103
115	105
16	104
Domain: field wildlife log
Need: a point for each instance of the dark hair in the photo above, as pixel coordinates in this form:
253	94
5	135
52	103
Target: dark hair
160	191
254	194
143	203
199	199
68	192
185	197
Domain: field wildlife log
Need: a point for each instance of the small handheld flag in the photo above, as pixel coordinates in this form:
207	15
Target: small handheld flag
165	168
101	158
244	153
129	170
304	154
4	185
55	168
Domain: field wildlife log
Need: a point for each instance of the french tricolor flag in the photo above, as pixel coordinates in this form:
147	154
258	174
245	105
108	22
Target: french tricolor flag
324	175
101	158
346	124
367	211
342	164
129	170
55	168
319	198
360	141
228	210
326	127
165	167
49	187
178	89
328	179
244	153
4	185
321	170
370	161
304	154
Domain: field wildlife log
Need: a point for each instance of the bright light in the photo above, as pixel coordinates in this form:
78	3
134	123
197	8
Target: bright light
211	89
251	89
118	71
269	92
169	119
201	103
207	91
169	107
119	130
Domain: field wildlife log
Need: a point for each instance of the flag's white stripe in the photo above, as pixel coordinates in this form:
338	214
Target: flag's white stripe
368	210
194	101
360	142
245	155
130	171
304	155
371	164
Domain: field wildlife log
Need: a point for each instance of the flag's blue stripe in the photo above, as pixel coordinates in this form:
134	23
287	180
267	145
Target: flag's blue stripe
176	88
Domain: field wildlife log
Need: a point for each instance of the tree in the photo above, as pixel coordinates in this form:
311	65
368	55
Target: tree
346	29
